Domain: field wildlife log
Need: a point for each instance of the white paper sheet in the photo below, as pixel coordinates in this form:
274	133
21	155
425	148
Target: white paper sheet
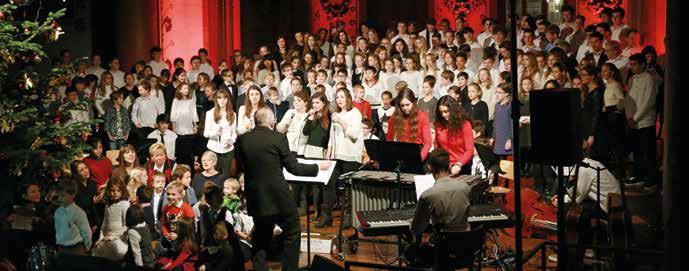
323	175
423	183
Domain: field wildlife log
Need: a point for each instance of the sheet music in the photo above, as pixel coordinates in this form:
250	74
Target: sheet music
323	176
23	219
423	183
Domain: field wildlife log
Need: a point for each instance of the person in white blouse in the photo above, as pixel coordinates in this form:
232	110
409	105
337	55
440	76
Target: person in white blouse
102	95
145	111
487	31
96	69
412	75
184	120
372	87
388	75
245	114
205	65
292	125
293	122
487	84
117	74
346	145
112	242
156	92
221	131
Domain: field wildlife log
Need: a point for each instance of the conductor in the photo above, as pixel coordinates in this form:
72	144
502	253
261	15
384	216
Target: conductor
262	154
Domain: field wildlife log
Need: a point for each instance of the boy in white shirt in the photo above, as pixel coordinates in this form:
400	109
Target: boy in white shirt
164	135
461	61
372	87
446	79
117	74
193	74
205	63
96	69
156	63
286	84
322	79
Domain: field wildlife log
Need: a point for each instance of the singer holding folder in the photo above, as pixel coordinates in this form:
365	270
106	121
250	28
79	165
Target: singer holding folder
262	154
346	145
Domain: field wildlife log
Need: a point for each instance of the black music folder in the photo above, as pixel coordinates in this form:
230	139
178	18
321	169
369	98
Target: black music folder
389	154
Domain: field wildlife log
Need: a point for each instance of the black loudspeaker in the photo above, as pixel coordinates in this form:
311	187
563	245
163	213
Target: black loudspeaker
321	263
555	126
86	263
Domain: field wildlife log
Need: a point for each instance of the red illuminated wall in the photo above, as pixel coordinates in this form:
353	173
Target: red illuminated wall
648	16
652	23
326	13
186	26
440	10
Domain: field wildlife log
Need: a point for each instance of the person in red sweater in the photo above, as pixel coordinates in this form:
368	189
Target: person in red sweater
183	255
99	165
453	133
361	104
158	163
174	210
409	123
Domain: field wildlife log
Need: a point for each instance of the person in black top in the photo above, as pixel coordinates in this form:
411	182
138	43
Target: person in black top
278	107
476	108
231	87
87	190
592	106
178	77
262	154
221	247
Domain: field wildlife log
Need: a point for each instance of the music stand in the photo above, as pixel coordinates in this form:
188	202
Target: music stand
309	184
397	157
393	154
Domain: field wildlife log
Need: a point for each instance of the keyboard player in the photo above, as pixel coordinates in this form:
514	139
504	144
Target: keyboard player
445	205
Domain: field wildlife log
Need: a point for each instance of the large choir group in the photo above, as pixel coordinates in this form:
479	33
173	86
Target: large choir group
161	173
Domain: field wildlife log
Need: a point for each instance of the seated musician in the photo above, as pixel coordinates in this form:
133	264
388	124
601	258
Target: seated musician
586	195
445	205
483	157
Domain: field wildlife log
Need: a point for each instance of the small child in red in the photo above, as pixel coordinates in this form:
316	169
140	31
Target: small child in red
99	165
362	105
175	209
183	254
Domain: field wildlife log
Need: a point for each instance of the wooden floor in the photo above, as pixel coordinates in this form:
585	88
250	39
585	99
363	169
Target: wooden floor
387	253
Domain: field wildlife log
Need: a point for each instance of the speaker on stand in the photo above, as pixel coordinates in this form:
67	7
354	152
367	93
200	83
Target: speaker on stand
556	140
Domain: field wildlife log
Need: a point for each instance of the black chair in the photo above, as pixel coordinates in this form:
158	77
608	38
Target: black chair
456	250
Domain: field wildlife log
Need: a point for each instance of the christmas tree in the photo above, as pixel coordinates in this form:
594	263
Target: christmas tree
33	140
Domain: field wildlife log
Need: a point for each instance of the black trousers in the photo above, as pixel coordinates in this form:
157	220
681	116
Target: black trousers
645	154
224	162
590	209
184	150
263	235
330	191
140	135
